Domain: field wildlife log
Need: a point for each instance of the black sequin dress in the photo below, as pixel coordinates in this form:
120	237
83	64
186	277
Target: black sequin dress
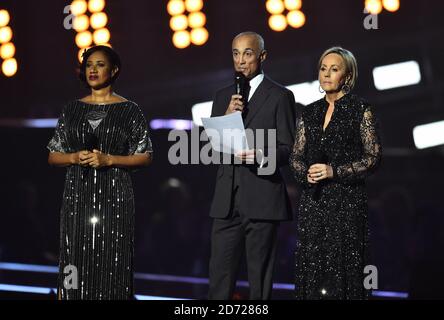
97	214
332	248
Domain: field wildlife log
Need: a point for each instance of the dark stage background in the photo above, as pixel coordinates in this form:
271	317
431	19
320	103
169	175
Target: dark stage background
173	227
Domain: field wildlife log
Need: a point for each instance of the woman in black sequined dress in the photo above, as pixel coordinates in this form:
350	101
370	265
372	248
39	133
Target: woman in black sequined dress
100	139
336	147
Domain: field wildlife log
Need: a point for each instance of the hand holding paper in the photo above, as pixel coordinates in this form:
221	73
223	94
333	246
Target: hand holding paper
247	156
226	133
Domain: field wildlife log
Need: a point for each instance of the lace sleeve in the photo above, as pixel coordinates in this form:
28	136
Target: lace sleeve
58	142
297	158
371	158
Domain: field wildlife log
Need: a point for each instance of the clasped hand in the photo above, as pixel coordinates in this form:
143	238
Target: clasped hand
318	172
95	159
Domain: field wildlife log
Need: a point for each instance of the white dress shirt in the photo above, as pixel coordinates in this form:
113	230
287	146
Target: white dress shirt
254	83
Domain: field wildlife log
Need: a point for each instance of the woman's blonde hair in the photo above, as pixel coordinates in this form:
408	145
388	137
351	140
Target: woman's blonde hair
351	66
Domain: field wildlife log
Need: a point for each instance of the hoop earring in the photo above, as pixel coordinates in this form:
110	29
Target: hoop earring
320	89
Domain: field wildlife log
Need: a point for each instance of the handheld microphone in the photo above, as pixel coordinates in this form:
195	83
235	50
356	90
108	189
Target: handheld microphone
240	81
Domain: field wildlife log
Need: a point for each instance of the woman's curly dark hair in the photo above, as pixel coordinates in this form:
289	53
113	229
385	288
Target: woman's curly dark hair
113	59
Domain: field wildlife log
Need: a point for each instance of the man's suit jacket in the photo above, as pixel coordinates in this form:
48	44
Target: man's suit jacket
272	106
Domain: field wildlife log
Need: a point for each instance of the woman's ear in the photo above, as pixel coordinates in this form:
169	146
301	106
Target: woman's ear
114	71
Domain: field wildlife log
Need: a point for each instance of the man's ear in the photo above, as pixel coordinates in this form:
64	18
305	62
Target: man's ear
263	55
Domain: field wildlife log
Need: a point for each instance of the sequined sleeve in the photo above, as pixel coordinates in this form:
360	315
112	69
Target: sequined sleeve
297	158
58	142
372	151
139	141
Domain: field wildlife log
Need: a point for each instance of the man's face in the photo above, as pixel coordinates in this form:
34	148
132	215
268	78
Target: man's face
247	57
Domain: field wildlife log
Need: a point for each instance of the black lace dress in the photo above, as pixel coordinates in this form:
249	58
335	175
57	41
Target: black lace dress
97	214
332	248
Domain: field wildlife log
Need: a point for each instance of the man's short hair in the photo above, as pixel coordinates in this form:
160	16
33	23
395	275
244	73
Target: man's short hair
259	38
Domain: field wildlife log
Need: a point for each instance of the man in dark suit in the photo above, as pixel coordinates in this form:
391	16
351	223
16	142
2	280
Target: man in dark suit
248	206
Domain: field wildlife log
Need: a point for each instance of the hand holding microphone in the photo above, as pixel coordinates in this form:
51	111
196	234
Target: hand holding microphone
237	99
236	104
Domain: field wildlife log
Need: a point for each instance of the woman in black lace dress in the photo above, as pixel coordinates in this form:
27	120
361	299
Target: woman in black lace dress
336	147
99	138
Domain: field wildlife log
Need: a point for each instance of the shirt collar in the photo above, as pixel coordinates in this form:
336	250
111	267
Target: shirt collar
254	83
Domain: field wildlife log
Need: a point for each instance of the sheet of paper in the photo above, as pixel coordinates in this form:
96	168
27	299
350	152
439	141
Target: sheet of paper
226	133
